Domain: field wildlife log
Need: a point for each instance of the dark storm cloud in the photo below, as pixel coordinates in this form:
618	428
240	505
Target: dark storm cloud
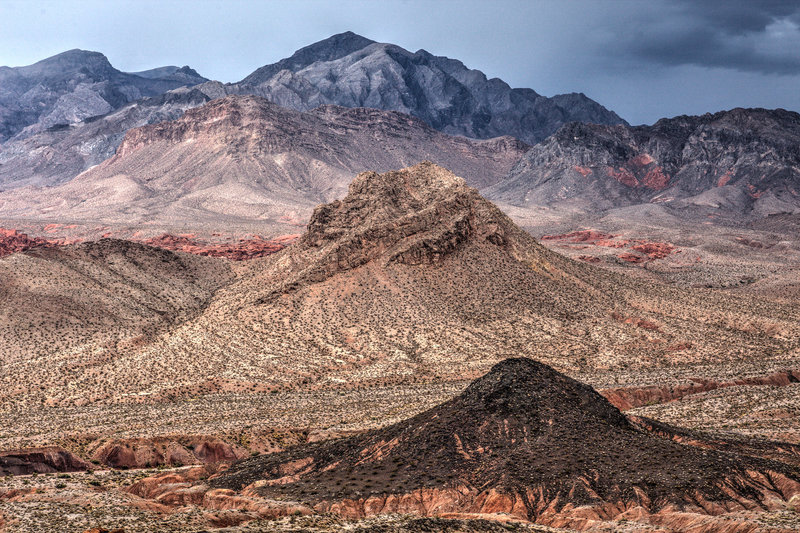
752	36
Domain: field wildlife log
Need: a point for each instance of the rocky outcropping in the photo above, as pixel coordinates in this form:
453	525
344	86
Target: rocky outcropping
12	241
40	460
151	452
631	397
742	161
352	71
523	440
415	216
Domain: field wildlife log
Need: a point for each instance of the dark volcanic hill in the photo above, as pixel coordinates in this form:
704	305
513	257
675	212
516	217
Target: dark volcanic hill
352	71
70	87
524	440
247	158
743	161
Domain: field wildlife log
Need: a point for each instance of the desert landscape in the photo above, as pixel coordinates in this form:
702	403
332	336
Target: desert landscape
372	290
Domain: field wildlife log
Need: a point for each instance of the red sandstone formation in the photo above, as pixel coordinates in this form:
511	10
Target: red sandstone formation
654	250
631	258
623	175
40	460
146	453
630	397
12	241
583	171
656	179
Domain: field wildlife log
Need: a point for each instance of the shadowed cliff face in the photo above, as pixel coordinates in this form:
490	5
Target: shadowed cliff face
741	162
525	440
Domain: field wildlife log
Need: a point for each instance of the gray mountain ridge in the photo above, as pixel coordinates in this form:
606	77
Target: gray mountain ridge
352	71
345	69
743	162
70	87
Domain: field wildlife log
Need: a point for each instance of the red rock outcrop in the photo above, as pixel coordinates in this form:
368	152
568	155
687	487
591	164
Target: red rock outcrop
40	460
151	452
12	241
654	250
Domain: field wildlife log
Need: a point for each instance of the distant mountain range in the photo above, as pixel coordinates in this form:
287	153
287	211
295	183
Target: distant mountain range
70	112
72	86
352	71
245	158
743	161
83	106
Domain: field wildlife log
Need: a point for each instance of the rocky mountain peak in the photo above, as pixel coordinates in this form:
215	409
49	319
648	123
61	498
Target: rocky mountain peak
352	71
415	215
418	184
73	60
330	49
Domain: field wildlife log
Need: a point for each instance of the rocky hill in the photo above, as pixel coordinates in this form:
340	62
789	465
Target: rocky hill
245	158
740	162
414	277
352	71
106	296
523	440
70	87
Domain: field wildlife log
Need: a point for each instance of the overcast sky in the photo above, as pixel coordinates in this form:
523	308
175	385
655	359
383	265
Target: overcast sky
644	59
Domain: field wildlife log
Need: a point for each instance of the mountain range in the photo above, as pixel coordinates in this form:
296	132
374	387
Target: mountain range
85	106
245	158
352	71
73	86
741	162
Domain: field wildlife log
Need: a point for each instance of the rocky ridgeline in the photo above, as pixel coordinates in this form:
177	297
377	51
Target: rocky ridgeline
741	161
441	91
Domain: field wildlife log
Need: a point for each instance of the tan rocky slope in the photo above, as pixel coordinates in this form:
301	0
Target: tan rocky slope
526	441
70	310
242	158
